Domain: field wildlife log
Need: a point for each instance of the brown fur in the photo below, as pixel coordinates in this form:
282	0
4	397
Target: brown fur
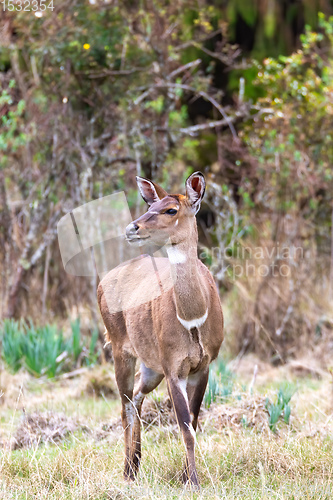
139	303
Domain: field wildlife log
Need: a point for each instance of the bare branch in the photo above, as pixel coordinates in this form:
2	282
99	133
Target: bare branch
203	94
187	66
142	97
122	159
220	57
204	39
103	74
204	126
192	130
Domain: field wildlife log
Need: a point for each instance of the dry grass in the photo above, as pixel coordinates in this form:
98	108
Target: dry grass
99	382
66	453
38	428
284	306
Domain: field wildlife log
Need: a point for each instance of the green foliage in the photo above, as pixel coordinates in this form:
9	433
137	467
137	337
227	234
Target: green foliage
212	391
93	354
76	344
292	138
281	407
274	411
12	134
41	348
220	383
156	105
97	73
44	350
12	343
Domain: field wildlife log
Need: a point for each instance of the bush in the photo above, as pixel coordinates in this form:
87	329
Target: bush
288	202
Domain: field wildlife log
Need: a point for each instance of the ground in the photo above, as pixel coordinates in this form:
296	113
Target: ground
62	438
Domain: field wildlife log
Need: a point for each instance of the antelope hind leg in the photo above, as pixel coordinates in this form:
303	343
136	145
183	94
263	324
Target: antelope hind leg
149	380
196	387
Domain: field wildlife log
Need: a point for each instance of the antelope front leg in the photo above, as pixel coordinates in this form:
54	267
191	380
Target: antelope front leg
125	370
196	386
178	395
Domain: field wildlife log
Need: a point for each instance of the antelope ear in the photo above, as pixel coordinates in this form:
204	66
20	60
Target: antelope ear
150	191
195	190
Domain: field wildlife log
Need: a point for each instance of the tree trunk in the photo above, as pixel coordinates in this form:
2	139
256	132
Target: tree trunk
14	292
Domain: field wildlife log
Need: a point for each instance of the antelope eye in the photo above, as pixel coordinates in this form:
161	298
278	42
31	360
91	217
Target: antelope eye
171	211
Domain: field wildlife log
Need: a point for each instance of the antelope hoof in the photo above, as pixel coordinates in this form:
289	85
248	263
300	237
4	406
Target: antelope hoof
191	483
191	486
130	474
129	478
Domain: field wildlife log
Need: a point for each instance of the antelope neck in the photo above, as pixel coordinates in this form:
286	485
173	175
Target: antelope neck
191	303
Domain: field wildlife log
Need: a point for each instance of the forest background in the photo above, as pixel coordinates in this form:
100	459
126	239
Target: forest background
94	93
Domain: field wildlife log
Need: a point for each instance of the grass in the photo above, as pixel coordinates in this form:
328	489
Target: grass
229	467
44	350
234	461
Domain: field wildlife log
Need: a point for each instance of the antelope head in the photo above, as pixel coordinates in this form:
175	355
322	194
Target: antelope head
170	219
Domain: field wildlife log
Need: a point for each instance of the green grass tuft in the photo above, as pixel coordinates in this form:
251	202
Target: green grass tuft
44	350
220	383
281	407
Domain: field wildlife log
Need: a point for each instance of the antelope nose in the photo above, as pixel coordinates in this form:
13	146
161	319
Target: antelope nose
131	229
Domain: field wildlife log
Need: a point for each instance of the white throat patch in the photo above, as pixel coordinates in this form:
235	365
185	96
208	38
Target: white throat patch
175	255
194	323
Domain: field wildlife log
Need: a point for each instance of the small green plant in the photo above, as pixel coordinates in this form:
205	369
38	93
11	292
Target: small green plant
213	390
93	353
274	412
220	383
75	345
281	407
244	422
